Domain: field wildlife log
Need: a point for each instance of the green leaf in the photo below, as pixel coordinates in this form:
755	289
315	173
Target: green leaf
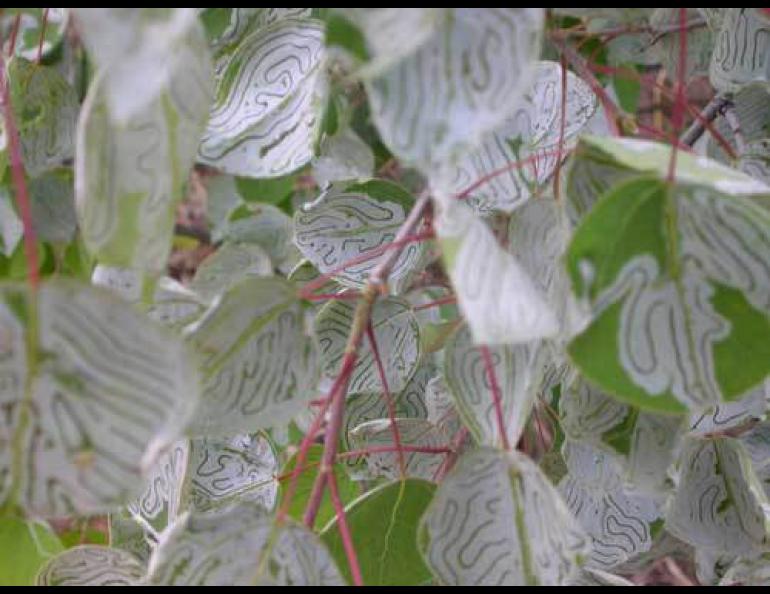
496	520
91	565
442	98
26	548
677	304
349	222
347	489
628	91
383	527
342	33
268	227
53	206
97	391
719	503
257	364
229	265
271	191
31	29
126	211
398	340
343	157
45	109
241	547
267	128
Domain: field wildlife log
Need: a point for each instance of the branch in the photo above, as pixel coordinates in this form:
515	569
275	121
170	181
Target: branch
377	284
708	115
731	116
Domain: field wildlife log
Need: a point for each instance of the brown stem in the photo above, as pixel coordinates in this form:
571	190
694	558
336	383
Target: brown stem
708	115
731	117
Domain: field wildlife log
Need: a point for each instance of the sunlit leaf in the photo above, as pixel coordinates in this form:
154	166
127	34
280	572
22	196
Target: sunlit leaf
263	121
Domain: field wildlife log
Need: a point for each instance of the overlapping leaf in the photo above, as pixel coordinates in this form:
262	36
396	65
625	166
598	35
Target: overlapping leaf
349	222
266	110
378	436
496	295
719	503
383	526
496	520
677	301
45	107
90	565
523	153
518	372
229	265
129	176
94	394
461	83
396	332
621	523
258	365
241	547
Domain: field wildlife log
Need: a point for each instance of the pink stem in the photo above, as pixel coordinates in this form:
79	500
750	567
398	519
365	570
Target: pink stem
496	395
347	540
19	183
388	399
